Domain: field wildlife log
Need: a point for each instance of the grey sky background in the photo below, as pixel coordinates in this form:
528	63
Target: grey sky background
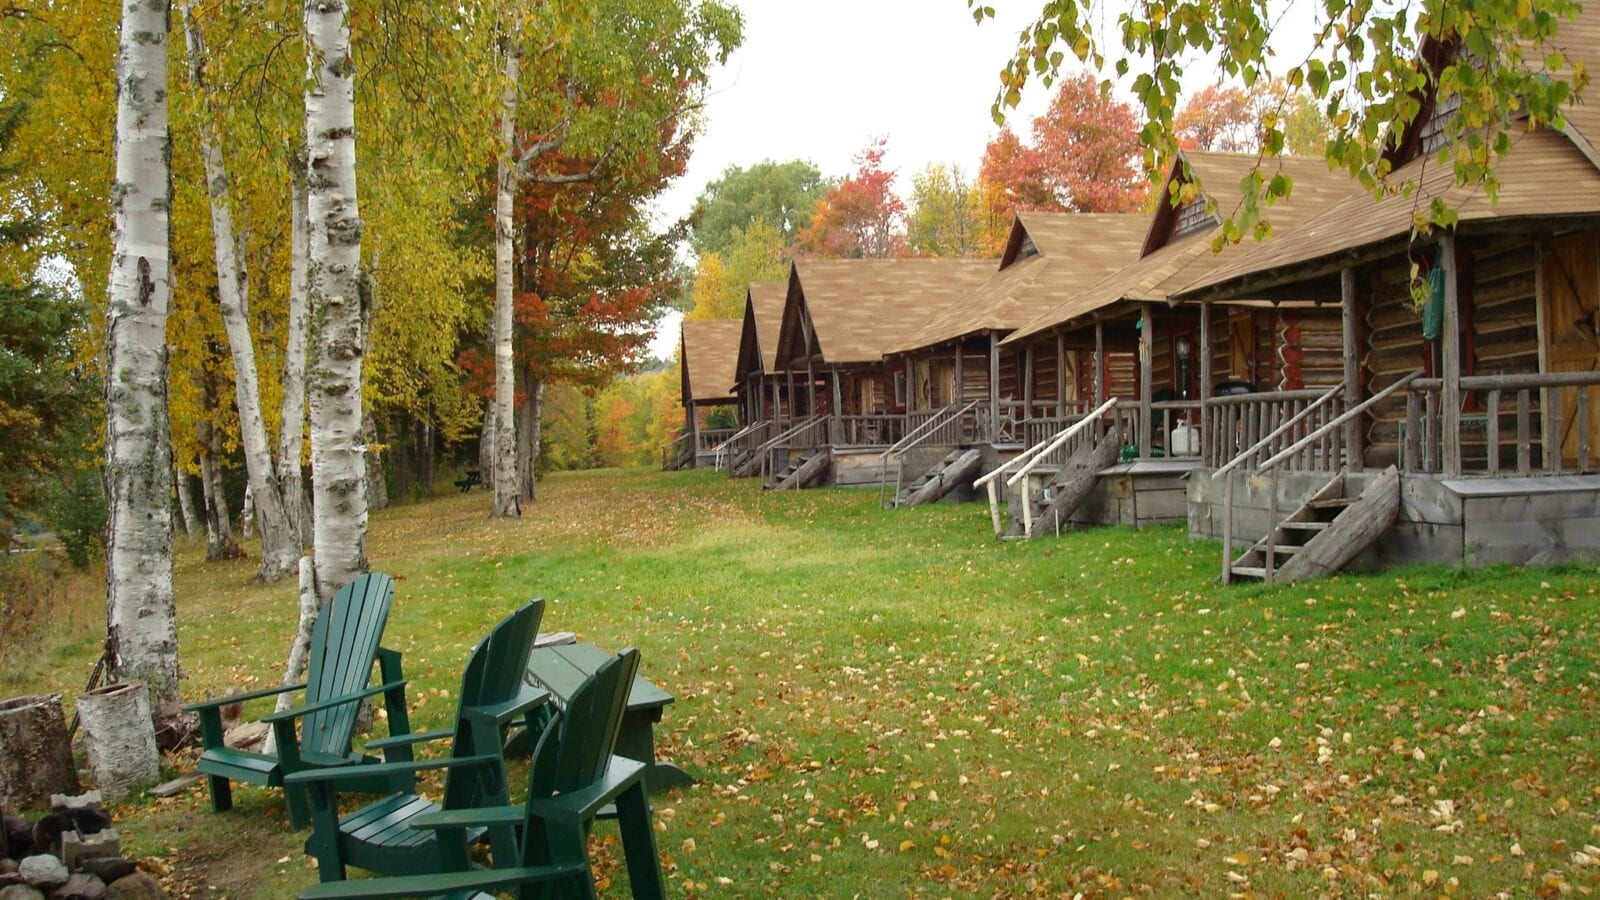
820	80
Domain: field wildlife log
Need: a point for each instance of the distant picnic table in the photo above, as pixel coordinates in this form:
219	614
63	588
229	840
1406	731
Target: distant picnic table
560	669
469	480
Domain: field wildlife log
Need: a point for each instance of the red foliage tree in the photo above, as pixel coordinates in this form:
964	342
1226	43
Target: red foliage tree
860	217
1084	156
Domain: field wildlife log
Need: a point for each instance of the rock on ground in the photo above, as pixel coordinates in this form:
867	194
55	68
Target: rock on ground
44	871
81	887
137	886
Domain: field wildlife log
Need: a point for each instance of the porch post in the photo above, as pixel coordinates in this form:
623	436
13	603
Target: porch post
912	396
1355	454
959	367
1205	379
790	378
994	385
1027	383
838	403
1450	334
811	387
1147	352
1061	375
694	427
1099	361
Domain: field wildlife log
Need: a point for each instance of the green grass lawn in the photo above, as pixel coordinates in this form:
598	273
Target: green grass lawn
893	703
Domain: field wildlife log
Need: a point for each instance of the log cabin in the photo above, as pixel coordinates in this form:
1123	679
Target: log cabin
1121	348
956	356
706	354
1464	427
761	388
840	318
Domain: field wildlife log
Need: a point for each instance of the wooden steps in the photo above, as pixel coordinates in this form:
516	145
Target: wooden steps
956	468
1324	534
802	471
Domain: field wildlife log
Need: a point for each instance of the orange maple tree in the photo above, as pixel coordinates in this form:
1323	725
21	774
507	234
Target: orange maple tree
860	217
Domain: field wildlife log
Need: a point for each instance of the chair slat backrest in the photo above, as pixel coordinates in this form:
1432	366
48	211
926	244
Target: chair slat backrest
494	674
344	643
576	749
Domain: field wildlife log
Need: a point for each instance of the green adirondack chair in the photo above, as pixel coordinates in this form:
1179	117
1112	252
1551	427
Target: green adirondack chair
574	779
344	643
493	694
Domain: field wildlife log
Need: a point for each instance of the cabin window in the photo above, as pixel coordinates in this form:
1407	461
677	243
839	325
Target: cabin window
1192	217
900	388
1434	130
1027	248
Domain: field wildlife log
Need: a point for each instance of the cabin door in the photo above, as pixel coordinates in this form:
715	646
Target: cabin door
1570	316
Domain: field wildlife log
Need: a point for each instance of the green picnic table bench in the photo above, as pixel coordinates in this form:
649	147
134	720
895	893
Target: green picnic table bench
560	669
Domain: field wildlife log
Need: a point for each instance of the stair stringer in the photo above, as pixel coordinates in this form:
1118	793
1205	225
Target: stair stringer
1355	529
1075	481
805	474
953	472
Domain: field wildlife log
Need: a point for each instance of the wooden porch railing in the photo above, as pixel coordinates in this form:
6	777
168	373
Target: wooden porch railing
809	433
707	439
879	430
1243	420
1528	424
740	442
1157	438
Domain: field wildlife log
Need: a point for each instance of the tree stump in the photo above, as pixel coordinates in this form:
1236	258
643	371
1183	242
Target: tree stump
120	737
35	752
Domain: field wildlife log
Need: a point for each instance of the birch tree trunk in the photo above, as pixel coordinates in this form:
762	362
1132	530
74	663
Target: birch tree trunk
180	483
338	467
528	428
507	490
486	438
279	549
140	611
220	542
291	432
377	481
248	514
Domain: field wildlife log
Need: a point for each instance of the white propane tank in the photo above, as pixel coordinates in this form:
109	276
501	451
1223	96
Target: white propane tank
1185	440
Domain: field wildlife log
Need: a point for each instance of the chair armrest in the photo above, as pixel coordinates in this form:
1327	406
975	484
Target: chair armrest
449	883
443	819
330	703
240	698
381	770
500	713
406	740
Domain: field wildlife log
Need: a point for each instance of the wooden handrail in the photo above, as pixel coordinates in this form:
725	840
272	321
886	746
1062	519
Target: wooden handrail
1337	422
1066	434
1264	397
912	438
1513	382
1278	432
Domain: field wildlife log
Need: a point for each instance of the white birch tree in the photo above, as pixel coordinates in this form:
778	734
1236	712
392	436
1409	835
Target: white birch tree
338	465
140	610
292	428
507	483
280	546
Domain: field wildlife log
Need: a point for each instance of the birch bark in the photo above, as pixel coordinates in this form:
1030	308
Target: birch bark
280	551
140	611
507	487
338	467
292	430
180	483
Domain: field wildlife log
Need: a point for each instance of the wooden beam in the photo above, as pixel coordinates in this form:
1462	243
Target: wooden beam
1541	331
838	395
1355	453
1061	374
1147	361
960	367
1027	384
1099	361
1206	376
994	385
1450	335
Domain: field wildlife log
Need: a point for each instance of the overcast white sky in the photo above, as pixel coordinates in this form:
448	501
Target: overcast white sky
819	79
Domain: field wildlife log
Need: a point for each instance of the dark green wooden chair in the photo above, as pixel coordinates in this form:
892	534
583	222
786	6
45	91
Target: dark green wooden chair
575	778
493	695
344	643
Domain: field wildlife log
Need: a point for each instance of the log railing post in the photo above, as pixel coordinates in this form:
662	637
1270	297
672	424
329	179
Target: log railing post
1450	335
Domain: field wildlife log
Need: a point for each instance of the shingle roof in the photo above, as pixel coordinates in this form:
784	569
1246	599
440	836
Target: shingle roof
1165	267
1580	42
1544	174
766	299
1075	251
710	353
861	308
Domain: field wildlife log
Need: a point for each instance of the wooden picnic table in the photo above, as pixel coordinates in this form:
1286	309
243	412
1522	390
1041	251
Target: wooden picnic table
560	669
